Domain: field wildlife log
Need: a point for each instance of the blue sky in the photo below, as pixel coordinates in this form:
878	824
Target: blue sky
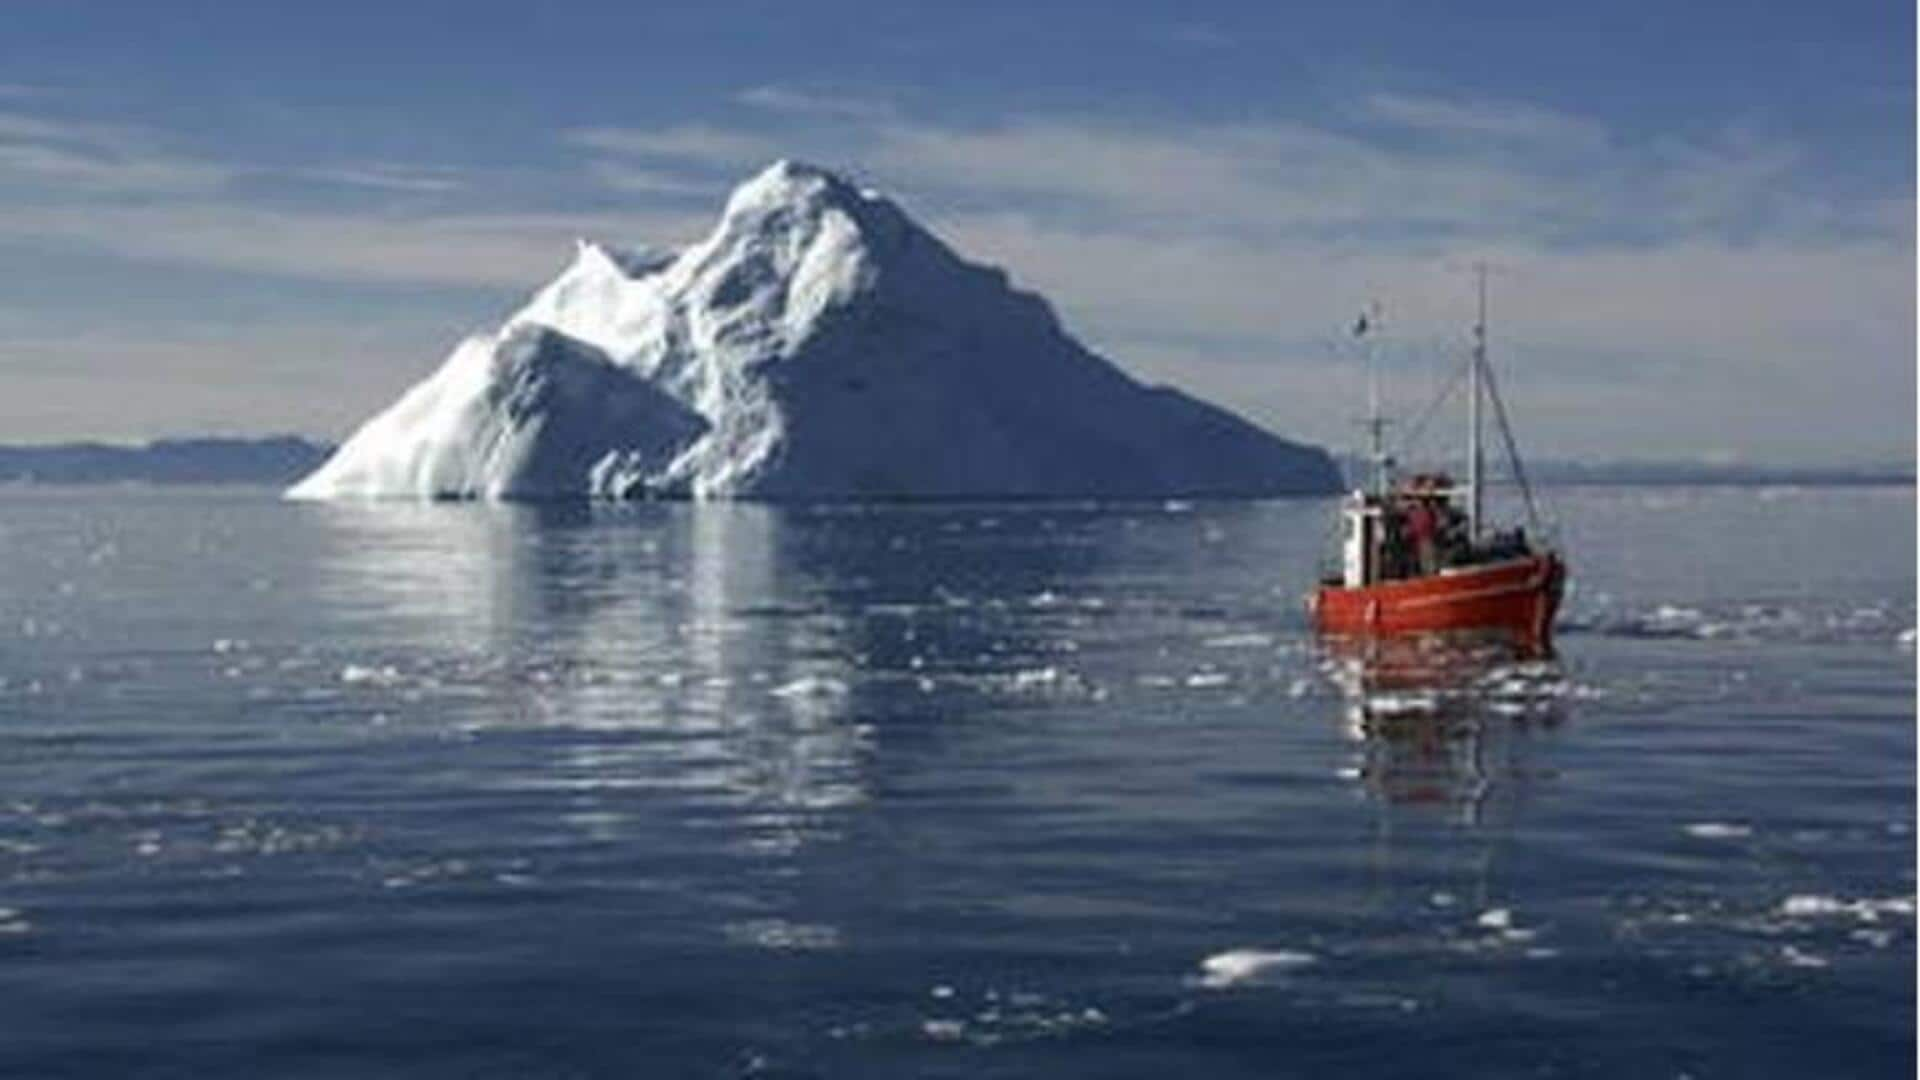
242	217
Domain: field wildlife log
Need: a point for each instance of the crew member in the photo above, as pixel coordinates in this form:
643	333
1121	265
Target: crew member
1421	526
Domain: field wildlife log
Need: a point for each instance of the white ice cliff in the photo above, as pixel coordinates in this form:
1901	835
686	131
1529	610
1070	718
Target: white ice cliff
819	344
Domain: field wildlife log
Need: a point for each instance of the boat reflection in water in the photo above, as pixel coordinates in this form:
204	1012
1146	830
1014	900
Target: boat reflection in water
1444	721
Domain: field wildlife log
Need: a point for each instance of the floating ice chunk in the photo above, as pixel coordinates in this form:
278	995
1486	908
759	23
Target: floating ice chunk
1799	958
1201	680
1393	704
781	935
1035	678
1907	638
1496	918
1804	906
1237	966
1814	906
1239	641
944	1030
1879	939
811	686
357	674
1719	830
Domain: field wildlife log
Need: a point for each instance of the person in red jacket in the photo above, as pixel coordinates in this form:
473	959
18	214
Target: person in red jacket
1422	525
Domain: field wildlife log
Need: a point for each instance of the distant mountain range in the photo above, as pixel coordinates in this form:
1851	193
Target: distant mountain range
274	460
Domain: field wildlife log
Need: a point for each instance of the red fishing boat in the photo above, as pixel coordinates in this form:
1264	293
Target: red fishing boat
1416	553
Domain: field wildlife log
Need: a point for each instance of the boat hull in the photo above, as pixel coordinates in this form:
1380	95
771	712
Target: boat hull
1516	596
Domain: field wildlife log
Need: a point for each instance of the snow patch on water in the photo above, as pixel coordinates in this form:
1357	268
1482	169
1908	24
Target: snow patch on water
811	686
944	1030
1809	622
1403	704
1238	966
994	1017
1801	959
1718	830
1495	919
781	935
370	675
1816	906
1037	678
1239	641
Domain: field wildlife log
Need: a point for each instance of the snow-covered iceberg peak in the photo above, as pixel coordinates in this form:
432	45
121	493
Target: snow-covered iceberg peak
529	413
817	343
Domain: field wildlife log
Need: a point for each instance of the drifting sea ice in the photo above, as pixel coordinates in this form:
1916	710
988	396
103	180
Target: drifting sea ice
1237	966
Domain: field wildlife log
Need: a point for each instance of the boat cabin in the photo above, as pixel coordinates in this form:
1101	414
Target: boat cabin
1414	530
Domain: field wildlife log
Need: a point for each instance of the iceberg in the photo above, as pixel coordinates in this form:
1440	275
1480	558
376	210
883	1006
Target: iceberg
817	344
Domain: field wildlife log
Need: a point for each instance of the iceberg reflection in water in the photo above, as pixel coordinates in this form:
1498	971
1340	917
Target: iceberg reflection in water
621	645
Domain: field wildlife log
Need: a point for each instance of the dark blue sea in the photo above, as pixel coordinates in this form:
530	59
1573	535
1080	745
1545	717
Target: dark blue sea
1025	790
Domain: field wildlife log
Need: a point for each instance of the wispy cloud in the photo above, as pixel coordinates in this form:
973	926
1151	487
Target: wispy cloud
792	102
80	186
1498	119
387	177
501	250
171	380
1291	179
97	157
1659	271
697	144
637	180
1200	35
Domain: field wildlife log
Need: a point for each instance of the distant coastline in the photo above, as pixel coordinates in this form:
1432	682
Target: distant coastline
282	459
1696	474
275	459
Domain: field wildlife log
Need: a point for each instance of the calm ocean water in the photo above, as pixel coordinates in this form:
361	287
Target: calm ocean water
965	790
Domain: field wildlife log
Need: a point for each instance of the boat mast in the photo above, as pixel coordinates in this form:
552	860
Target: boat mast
1478	362
1368	329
